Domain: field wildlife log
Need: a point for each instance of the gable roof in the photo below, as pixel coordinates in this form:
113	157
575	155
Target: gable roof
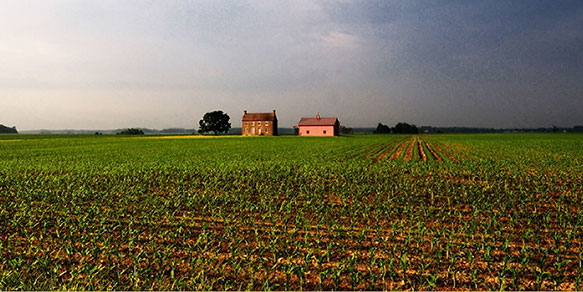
259	117
318	122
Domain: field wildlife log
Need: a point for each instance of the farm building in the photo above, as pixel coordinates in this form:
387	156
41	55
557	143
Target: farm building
258	124
318	126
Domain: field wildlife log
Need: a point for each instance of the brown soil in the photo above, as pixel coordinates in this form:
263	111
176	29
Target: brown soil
383	146
435	155
409	153
258	234
456	151
398	152
422	154
389	150
449	156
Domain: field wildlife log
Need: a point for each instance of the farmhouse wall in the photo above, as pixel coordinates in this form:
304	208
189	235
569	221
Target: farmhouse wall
316	131
259	124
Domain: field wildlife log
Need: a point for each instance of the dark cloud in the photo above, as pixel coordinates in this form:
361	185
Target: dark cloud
477	63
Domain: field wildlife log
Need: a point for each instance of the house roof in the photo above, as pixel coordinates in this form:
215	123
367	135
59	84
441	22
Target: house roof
259	116
318	121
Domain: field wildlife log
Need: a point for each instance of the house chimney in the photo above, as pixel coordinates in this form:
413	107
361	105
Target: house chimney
317	116
245	111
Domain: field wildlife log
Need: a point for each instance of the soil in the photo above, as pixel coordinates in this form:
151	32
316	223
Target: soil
397	153
449	156
409	153
389	150
435	155
422	154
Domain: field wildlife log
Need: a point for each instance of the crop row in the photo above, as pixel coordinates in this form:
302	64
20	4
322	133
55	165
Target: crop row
291	213
415	149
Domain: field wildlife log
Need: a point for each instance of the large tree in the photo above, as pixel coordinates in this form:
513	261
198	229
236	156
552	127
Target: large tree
404	128
131	131
382	129
216	122
7	130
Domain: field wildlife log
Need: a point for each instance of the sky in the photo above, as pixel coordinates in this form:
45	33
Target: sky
108	64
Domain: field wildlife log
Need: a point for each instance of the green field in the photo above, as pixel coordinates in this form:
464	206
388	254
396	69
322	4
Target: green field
374	212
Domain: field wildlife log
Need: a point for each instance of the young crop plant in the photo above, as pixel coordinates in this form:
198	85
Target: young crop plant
368	212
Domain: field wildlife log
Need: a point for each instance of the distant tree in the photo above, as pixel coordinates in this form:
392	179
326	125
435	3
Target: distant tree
382	129
345	130
215	121
404	128
131	131
555	129
7	130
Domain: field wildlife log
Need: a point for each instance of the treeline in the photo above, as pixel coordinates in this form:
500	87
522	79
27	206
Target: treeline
7	130
113	131
399	128
405	128
130	131
469	130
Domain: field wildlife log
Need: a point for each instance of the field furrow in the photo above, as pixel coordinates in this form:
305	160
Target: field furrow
432	151
379	150
447	154
292	213
409	152
422	154
399	151
457	151
388	151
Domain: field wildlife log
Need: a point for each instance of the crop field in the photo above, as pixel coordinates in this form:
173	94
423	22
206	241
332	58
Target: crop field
373	212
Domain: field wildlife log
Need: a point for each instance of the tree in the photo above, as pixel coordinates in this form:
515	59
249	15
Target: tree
404	128
345	130
131	131
7	130
382	129
216	122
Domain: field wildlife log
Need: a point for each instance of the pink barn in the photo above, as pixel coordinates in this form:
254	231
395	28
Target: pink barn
318	126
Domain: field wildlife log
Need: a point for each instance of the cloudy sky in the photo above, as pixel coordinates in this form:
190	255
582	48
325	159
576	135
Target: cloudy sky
112	64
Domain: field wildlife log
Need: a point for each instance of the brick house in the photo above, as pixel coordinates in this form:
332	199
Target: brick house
318	126
259	124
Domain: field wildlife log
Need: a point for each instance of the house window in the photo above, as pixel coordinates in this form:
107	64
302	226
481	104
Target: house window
259	131
266	124
324	131
252	123
252	130
246	130
266	131
308	132
246	124
259	124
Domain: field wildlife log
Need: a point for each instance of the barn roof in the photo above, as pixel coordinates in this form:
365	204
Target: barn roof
318	121
259	116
